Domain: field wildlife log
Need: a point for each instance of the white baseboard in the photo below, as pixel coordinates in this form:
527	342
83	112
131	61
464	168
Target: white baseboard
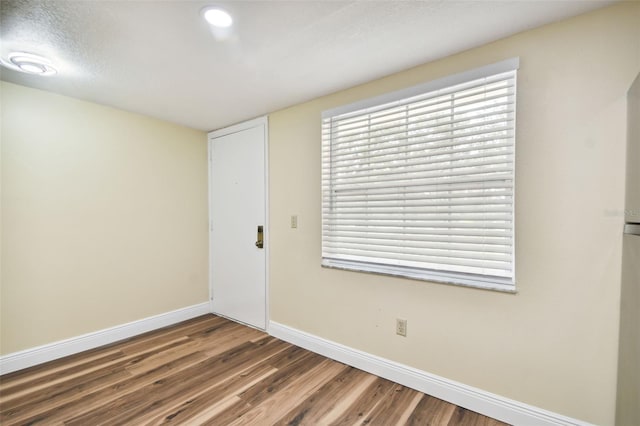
38	355
478	400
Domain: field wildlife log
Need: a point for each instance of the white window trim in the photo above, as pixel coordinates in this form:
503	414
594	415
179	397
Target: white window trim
385	101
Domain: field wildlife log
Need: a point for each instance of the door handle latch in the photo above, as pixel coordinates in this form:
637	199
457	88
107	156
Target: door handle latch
260	242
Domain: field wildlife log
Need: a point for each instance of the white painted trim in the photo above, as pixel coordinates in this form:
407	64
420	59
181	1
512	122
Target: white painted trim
41	354
209	220
267	223
478	400
260	121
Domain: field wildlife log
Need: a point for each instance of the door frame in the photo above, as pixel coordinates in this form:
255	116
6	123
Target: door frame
256	122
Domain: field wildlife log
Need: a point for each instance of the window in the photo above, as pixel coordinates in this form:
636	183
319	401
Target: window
420	183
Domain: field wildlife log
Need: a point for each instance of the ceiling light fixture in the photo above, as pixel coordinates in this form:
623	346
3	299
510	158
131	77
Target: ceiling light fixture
217	17
28	63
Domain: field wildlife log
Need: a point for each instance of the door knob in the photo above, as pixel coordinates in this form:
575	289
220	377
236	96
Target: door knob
260	242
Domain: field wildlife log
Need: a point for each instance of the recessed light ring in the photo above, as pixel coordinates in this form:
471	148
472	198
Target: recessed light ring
28	63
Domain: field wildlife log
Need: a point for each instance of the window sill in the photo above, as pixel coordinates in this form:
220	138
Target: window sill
457	279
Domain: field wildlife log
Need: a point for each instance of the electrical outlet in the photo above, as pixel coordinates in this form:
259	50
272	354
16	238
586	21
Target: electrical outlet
401	327
294	221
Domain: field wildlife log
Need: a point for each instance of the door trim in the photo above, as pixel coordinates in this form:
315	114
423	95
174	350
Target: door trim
256	122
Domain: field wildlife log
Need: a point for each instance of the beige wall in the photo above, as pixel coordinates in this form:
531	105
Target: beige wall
104	217
553	344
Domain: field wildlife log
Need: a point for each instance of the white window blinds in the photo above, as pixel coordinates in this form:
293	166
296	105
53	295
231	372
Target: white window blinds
420	183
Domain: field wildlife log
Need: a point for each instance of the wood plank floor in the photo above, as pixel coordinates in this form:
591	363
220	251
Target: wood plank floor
212	371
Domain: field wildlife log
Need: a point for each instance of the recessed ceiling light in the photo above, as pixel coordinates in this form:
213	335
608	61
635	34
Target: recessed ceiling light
28	63
218	17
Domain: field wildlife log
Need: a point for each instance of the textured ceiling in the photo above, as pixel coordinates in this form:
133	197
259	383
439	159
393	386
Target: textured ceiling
161	59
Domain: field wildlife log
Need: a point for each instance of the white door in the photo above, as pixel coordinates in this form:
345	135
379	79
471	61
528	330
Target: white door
238	211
